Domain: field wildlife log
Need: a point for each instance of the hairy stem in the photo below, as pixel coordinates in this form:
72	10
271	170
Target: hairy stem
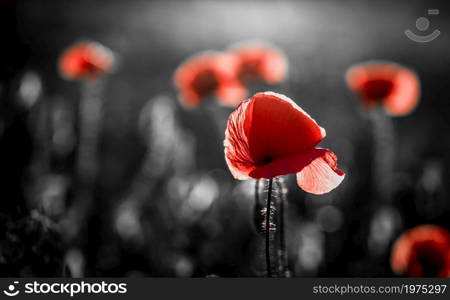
283	253
282	237
267	228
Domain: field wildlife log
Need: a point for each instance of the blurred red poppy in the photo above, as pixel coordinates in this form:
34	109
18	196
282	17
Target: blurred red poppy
209	74
394	87
86	60
269	135
423	251
260	62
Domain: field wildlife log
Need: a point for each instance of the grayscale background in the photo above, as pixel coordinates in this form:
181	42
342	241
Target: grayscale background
164	203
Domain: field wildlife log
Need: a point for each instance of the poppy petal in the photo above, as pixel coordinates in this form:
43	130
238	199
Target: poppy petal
205	74
231	94
405	96
268	135
189	98
86	60
422	251
287	165
196	78
236	144
396	87
260	61
268	129
275	67
371	80
321	175
278	127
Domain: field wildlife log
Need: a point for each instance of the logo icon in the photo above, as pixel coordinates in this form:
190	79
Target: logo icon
11	290
423	24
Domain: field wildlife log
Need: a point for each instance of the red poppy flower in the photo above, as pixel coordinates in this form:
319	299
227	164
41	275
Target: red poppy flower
86	60
269	135
423	251
209	74
260	62
394	87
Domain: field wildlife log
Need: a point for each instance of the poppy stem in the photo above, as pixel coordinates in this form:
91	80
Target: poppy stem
257	191
267	228
384	155
90	115
283	253
87	166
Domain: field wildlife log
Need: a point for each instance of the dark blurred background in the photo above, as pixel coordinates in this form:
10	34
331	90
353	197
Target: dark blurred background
164	202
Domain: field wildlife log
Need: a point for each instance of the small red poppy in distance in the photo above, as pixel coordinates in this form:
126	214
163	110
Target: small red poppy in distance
209	74
260	62
269	135
423	251
86	60
394	87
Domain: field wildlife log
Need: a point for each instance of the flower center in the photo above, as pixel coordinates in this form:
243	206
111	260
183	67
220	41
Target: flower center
249	70
205	82
374	90
266	160
430	259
